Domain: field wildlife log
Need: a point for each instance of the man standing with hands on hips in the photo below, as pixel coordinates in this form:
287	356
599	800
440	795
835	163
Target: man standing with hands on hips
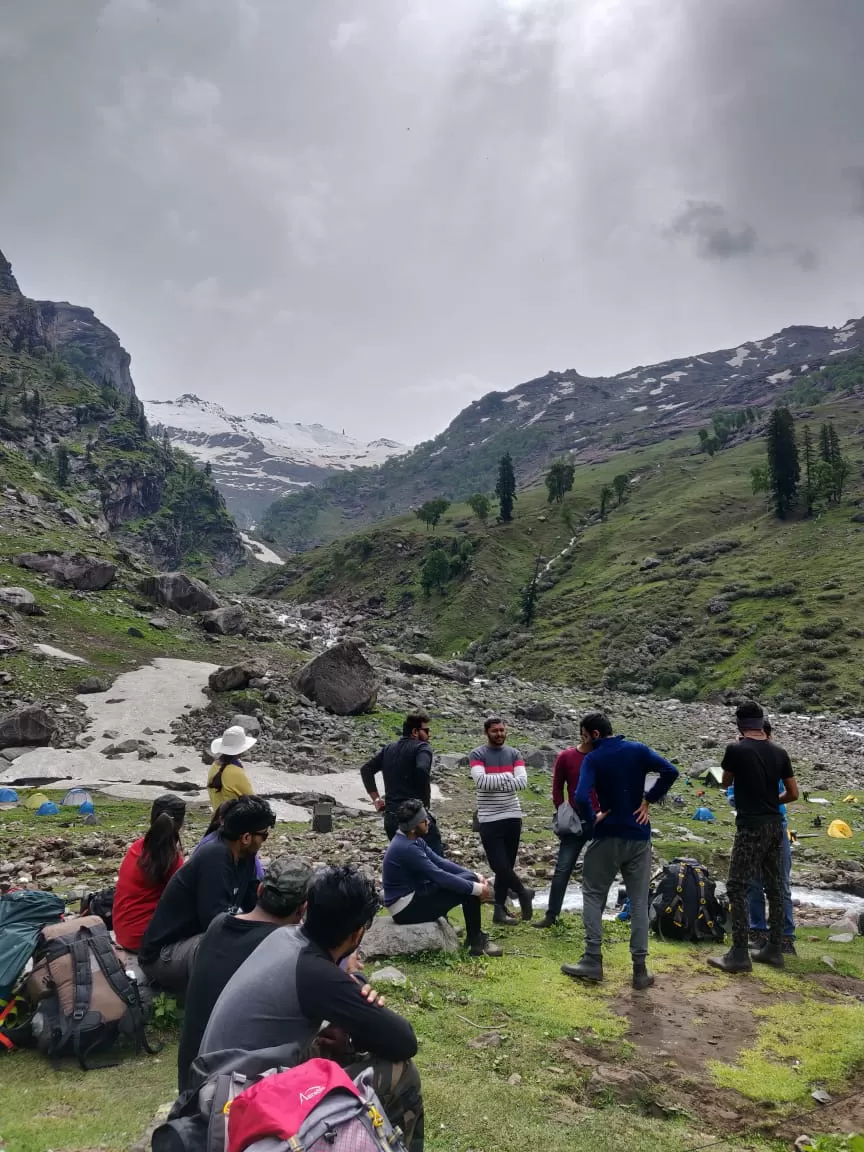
616	770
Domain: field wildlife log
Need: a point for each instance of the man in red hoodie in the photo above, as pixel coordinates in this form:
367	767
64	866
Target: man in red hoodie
565	779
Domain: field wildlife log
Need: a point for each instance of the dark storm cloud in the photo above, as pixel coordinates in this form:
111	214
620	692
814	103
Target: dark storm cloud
382	211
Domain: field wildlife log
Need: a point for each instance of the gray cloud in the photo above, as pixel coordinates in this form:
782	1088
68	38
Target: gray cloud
717	237
312	209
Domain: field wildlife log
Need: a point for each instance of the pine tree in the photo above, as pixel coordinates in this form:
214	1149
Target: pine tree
605	499
809	471
529	595
505	489
621	483
783	466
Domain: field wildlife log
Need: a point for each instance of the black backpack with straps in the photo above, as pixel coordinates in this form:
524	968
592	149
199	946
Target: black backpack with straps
685	904
84	998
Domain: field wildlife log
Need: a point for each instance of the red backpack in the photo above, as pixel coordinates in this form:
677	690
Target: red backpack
315	1107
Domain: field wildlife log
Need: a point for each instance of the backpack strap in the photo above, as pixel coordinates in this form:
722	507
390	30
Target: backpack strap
82	990
127	990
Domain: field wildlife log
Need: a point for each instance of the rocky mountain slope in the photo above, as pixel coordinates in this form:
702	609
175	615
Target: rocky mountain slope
564	412
74	440
256	459
689	588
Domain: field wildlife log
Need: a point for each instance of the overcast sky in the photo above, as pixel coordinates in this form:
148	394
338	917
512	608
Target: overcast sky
369	213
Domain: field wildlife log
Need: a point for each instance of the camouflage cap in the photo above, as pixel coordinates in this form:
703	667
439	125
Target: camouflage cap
286	878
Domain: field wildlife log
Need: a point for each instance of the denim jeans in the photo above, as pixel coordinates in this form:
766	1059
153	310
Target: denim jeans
569	849
756	898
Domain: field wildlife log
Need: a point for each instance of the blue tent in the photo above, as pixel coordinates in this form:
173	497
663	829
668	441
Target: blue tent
49	808
8	796
86	808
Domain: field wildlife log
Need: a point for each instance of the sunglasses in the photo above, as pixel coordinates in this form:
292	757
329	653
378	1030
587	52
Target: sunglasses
424	729
263	835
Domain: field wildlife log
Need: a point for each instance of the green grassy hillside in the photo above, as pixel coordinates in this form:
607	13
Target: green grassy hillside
688	588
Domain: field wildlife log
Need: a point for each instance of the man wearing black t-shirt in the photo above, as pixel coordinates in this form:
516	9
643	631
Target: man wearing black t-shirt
756	766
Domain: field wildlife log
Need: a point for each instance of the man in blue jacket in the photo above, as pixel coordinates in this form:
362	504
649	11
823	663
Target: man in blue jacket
616	769
420	886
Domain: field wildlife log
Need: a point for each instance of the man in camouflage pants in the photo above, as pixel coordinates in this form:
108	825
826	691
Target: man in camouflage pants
756	766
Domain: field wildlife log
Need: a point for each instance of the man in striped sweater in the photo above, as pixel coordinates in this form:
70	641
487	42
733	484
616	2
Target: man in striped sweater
498	772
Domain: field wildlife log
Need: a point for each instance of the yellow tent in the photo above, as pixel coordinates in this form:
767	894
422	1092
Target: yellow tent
840	830
35	800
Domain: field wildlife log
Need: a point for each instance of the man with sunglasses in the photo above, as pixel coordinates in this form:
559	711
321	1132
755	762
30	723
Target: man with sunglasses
218	877
406	769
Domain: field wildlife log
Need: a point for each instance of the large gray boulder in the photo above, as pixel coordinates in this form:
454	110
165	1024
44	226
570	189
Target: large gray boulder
422	664
229	621
341	680
86	573
234	678
26	726
20	599
178	591
387	938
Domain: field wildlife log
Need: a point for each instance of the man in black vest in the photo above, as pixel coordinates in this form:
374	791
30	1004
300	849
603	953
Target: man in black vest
406	769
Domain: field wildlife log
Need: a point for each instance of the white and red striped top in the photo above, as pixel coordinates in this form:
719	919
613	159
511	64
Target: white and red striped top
499	774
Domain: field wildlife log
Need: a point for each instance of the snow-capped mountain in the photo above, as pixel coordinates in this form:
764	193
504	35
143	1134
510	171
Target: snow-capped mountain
255	459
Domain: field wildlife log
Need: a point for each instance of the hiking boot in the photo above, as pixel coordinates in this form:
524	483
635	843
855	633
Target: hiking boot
770	954
642	978
758	938
588	968
735	960
547	922
481	945
788	946
526	903
502	916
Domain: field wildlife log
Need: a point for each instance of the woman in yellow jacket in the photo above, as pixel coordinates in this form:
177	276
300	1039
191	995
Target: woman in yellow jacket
227	778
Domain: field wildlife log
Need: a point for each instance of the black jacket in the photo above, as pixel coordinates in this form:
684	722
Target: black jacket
406	767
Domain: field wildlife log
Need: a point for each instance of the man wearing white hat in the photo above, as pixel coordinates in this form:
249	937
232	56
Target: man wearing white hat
227	778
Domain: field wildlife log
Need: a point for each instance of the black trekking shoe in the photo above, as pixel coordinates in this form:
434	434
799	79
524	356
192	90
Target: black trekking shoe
642	978
788	946
481	945
770	954
735	960
526	903
588	968
502	916
547	922
758	938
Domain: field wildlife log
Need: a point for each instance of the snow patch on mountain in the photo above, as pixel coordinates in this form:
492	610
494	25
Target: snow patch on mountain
256	459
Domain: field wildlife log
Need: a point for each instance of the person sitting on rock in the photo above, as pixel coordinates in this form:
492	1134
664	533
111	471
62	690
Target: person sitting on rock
212	831
420	886
220	877
227	779
498	772
230	940
292	983
148	865
406	769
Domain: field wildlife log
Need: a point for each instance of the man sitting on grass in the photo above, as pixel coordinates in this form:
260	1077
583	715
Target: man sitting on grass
420	886
230	940
218	877
292	983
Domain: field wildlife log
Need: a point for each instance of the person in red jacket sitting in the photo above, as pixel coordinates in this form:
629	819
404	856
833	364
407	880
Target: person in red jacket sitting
565	779
146	869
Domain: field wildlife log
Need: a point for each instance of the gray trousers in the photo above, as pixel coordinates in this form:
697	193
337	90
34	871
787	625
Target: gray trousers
603	860
173	967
